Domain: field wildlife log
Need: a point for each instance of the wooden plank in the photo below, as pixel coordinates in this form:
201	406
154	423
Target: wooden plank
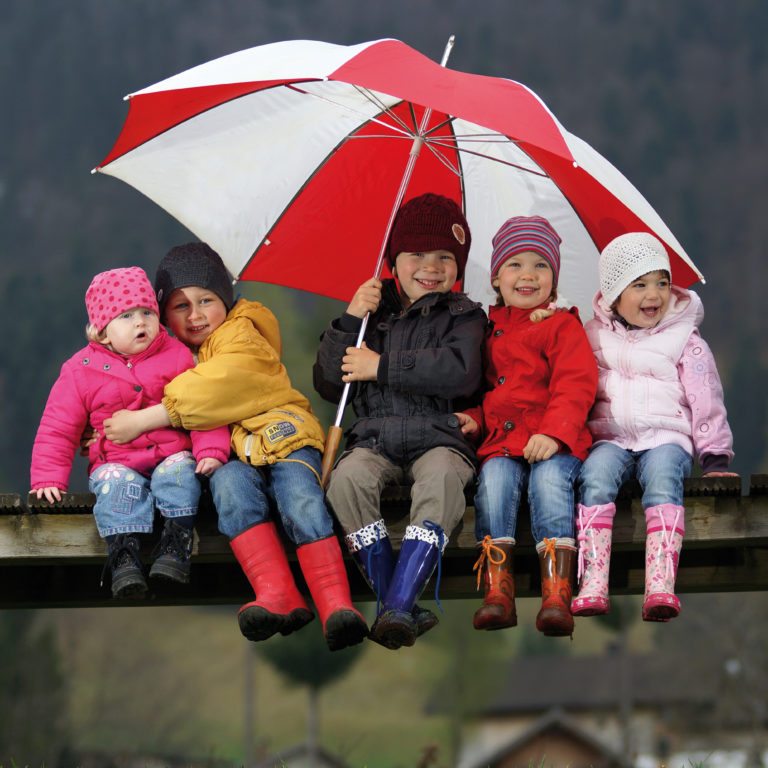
53	556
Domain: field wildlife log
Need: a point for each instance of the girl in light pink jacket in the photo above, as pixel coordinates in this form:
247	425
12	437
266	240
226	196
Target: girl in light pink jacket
126	365
659	403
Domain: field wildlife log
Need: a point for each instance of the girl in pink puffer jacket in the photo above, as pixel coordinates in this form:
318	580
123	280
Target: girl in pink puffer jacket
659	403
126	365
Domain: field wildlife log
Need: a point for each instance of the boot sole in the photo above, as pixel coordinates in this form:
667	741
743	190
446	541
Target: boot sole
132	589
425	620
394	632
655	609
257	623
345	628
593	608
169	572
297	618
555	626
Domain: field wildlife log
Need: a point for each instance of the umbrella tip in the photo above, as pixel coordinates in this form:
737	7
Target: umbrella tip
95	170
575	164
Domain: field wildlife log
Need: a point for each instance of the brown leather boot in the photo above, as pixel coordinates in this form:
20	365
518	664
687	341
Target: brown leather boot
498	608
557	560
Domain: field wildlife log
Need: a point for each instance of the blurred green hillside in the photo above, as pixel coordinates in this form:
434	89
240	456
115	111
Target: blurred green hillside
674	94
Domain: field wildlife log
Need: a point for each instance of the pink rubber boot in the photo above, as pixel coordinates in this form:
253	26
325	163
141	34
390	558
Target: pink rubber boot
665	528
594	527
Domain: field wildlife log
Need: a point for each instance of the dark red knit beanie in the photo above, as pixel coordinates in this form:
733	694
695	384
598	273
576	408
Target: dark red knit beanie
430	223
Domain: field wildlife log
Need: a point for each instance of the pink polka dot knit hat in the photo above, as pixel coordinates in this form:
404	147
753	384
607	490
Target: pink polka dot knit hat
115	291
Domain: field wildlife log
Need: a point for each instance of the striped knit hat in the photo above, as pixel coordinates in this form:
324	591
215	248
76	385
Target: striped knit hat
526	233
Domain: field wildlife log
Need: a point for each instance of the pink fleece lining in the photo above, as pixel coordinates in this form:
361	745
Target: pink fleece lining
665	517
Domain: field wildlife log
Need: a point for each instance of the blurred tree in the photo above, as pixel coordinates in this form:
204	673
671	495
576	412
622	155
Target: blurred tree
303	658
34	729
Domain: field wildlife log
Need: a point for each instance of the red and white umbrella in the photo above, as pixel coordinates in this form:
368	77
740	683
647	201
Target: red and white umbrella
287	158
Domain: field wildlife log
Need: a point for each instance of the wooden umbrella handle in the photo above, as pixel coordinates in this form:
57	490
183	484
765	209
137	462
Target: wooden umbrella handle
332	443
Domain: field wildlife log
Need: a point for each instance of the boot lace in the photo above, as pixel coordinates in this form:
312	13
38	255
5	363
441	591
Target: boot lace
487	549
124	551
550	547
667	550
372	552
584	528
174	542
440	533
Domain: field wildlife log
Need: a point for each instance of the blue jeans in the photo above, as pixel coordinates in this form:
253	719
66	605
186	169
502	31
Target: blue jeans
126	500
244	495
550	496
660	470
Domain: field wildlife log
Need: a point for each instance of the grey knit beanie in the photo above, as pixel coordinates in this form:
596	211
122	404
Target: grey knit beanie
193	264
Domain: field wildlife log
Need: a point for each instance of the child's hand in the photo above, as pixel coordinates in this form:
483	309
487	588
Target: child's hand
366	299
360	364
207	466
123	426
468	425
540	448
52	494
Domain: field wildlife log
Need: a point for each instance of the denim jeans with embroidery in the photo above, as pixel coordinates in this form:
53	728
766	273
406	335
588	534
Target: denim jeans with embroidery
551	496
126	500
245	496
661	472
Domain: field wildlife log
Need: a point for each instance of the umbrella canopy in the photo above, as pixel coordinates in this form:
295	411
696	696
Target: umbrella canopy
286	159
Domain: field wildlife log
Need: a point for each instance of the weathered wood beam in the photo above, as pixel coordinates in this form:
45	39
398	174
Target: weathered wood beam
53	556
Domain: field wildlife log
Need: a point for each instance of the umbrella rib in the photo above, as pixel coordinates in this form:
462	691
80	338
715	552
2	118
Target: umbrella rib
377	102
489	157
437	127
358	136
441	157
403	130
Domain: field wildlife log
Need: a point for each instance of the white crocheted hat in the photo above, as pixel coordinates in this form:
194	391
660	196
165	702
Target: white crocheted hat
628	257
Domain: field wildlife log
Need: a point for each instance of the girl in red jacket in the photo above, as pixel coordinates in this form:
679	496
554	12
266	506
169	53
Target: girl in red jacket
127	363
541	379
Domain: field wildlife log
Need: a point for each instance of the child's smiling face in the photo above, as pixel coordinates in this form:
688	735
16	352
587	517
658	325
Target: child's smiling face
645	301
193	314
424	272
525	280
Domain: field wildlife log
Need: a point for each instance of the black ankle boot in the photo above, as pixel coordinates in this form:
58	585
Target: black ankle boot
124	564
173	553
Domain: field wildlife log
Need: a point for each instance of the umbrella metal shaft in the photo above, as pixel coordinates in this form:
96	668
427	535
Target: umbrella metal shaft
413	155
333	440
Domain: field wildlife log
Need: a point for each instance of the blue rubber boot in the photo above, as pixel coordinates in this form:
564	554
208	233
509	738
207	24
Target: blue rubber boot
396	626
371	549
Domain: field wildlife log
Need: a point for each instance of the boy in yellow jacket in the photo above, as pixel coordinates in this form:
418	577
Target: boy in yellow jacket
240	381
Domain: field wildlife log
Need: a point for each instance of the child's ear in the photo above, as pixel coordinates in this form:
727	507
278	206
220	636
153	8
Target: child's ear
495	282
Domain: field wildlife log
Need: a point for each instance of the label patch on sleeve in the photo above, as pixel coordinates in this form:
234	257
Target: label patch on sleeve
274	433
